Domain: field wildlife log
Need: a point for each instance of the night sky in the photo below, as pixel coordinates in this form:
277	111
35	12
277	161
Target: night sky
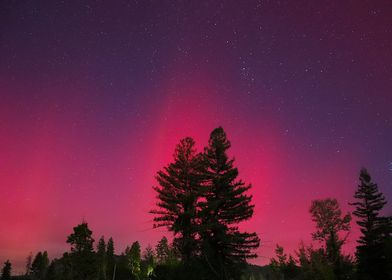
94	96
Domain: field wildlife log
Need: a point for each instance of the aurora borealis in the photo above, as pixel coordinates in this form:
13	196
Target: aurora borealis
95	95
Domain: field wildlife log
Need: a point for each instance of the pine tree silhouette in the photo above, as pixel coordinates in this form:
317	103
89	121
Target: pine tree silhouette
178	193
102	259
374	261
225	247
110	258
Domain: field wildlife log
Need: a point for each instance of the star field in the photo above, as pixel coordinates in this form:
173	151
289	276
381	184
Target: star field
94	97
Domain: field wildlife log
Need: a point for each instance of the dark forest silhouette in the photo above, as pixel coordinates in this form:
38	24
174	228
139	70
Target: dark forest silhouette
201	201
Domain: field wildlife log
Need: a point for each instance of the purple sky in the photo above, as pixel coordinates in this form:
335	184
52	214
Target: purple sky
95	95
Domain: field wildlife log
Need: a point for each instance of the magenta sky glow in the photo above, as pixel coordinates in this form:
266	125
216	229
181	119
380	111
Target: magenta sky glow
95	96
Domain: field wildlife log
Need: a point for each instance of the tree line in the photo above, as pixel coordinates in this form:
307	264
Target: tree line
83	261
201	201
373	256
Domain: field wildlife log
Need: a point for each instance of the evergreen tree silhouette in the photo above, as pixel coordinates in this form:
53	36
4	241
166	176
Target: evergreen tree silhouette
178	194
110	258
82	256
162	250
101	259
225	248
81	239
39	265
374	250
284	265
6	271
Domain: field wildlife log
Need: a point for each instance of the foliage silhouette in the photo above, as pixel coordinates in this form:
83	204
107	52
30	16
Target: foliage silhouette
201	201
224	248
29	260
178	193
284	265
39	265
134	259
330	225
82	257
101	259
110	258
374	254
6	271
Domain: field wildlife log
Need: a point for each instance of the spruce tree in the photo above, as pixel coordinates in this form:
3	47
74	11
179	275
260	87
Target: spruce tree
101	259
178	193
225	248
110	258
372	252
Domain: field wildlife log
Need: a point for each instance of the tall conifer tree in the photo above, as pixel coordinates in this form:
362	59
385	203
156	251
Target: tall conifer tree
374	259
110	258
225	247
102	259
178	193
